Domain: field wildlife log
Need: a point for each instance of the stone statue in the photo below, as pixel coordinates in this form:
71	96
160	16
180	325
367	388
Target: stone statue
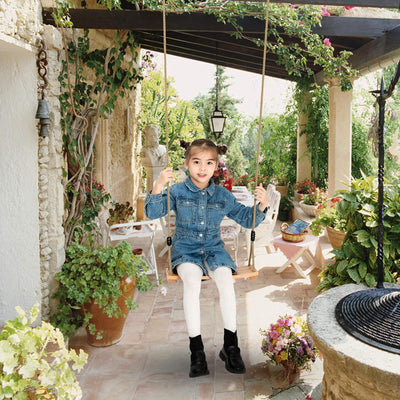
153	155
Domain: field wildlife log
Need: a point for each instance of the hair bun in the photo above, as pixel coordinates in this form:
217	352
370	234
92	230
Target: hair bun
184	144
222	149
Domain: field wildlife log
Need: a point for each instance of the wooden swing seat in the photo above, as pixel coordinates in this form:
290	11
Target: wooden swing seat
245	271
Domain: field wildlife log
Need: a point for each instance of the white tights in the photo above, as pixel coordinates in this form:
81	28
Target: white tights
191	277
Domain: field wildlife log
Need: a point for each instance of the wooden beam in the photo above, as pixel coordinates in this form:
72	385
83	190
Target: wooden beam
152	21
376	54
355	3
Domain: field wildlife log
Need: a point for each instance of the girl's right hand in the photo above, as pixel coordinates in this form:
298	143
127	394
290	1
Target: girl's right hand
166	175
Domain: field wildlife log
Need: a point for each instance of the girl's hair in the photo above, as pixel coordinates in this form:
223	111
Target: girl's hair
202	144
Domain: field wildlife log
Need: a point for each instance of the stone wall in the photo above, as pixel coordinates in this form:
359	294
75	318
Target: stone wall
39	202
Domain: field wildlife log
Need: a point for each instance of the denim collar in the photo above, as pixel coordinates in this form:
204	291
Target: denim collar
192	187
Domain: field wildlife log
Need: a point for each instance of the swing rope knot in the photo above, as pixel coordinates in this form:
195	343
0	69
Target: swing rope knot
169	240
253	236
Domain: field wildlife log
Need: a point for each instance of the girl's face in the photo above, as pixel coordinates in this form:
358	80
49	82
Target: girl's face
201	167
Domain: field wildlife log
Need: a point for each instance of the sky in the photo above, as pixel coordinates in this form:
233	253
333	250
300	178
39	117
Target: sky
195	77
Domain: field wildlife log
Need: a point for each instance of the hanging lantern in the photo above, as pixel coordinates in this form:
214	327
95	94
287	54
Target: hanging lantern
217	122
217	119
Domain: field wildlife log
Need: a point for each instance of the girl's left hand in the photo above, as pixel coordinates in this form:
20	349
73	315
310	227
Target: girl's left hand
260	195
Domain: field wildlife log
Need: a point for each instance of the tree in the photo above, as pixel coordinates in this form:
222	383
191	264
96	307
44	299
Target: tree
235	124
183	122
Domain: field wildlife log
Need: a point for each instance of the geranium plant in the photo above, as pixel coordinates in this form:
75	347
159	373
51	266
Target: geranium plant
316	196
330	214
289	342
222	176
304	186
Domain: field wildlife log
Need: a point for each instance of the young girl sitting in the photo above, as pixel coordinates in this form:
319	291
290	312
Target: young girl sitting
197	248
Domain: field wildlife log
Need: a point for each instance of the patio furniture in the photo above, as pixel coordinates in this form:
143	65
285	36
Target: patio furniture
294	251
138	234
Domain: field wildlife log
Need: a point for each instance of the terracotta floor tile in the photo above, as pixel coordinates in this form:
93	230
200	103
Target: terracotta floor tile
152	359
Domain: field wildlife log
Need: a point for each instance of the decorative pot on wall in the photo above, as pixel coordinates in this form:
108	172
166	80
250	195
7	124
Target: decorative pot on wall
110	327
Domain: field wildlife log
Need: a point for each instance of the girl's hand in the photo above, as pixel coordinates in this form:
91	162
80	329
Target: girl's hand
166	175
260	195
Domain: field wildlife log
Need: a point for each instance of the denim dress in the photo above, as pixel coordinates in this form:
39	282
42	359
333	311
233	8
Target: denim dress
199	213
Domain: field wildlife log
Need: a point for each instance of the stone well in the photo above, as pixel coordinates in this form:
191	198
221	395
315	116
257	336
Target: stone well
353	370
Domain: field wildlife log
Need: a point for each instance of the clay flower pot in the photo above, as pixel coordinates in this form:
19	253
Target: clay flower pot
335	237
110	327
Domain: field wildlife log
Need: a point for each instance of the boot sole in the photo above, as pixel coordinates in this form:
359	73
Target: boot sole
206	372
227	366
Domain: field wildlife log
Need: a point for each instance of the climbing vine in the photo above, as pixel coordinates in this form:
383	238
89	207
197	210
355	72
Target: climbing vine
92	80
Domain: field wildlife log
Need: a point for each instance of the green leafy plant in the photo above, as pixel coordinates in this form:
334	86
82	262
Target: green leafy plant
285	204
121	213
94	273
35	362
329	214
356	260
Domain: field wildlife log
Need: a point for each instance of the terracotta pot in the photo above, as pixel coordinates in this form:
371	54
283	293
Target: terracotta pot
282	189
111	327
335	237
309	209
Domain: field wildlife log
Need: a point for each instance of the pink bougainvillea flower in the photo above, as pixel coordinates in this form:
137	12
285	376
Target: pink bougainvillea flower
325	12
327	42
293	6
302	23
348	7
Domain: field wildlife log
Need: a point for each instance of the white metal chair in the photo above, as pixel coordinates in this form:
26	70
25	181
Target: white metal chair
138	235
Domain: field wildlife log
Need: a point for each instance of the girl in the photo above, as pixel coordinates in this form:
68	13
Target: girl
197	248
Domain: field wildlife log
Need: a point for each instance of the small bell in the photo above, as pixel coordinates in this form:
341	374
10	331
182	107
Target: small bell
43	114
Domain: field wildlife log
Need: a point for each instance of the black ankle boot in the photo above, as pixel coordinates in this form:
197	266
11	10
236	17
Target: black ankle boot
198	363
230	353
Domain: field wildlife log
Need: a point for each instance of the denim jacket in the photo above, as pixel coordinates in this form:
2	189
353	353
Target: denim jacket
199	213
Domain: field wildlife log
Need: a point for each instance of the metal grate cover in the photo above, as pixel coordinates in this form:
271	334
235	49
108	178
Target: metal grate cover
372	316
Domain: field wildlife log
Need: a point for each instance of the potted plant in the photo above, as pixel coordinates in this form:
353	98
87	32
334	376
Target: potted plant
285	207
288	343
35	362
122	213
96	286
331	217
303	187
312	200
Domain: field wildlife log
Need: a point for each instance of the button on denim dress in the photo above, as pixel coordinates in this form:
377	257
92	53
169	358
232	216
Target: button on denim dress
199	213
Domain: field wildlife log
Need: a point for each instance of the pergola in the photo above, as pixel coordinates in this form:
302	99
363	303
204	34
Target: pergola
374	42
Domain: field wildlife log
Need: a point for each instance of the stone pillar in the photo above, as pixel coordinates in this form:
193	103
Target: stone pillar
303	155
153	155
340	127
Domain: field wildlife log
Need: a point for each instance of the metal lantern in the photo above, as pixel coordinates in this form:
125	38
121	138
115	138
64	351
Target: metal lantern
217	122
217	119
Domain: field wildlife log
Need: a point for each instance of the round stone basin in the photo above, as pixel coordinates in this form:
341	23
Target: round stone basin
353	370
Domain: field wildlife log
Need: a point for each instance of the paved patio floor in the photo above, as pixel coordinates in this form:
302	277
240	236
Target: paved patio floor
151	362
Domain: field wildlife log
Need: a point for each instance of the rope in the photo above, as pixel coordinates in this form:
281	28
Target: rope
169	241
253	233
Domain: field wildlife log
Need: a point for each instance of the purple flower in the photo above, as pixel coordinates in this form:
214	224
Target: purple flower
300	351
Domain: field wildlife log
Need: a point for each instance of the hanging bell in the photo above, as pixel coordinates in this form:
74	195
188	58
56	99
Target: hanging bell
43	114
